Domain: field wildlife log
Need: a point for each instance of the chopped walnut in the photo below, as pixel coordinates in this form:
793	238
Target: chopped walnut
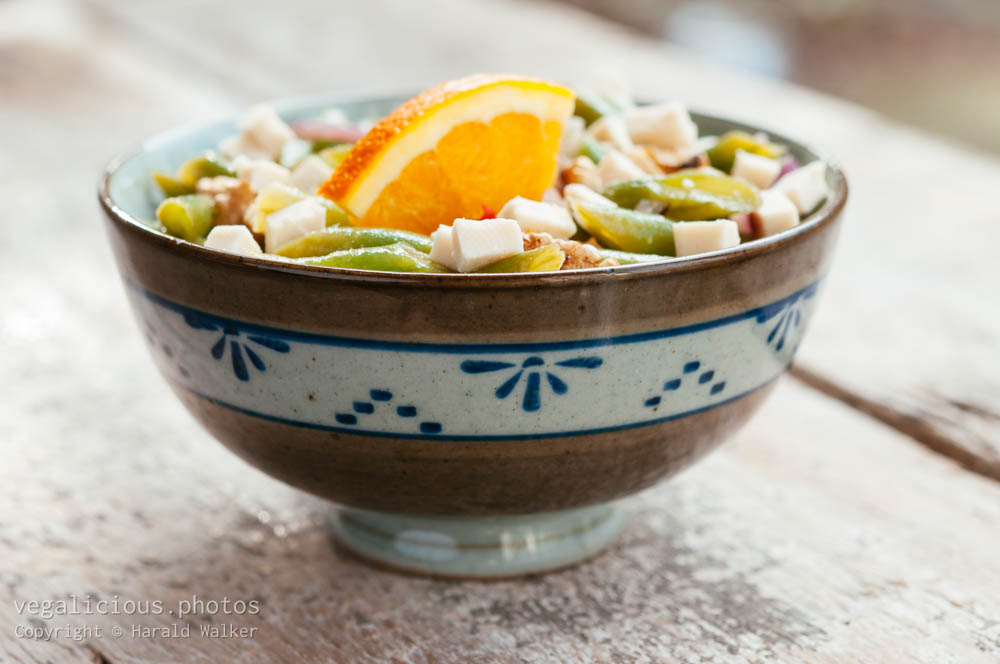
232	197
583	171
578	254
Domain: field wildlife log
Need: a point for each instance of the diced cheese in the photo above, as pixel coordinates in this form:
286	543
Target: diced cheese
775	214
443	249
572	137
292	222
664	126
260	173
697	237
262	125
268	172
756	169
235	147
271	198
235	238
535	217
805	187
310	173
611	129
616	167
479	242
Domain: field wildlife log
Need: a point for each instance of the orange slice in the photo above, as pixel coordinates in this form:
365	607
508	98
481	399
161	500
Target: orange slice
473	142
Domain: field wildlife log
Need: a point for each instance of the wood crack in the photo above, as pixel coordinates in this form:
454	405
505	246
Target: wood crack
931	430
97	656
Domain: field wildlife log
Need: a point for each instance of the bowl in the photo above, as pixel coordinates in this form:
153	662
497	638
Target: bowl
466	425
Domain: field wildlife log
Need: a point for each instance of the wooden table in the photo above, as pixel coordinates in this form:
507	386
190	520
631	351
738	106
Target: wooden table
856	519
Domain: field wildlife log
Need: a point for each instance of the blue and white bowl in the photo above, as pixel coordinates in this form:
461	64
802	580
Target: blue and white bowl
468	425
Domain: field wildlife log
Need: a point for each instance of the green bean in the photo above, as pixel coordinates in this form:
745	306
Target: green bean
630	258
335	154
692	195
171	186
592	107
389	258
547	258
188	217
626	230
338	238
202	166
723	153
192	170
592	148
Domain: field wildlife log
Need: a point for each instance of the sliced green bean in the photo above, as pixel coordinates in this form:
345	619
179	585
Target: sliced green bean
171	186
188	217
692	195
630	258
592	107
592	148
335	154
547	258
389	258
203	166
723	153
626	230
339	238
192	170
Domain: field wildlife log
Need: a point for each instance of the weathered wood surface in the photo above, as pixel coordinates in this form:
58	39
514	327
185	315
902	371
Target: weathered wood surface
817	535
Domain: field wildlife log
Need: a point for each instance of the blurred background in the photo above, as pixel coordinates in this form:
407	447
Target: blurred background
931	63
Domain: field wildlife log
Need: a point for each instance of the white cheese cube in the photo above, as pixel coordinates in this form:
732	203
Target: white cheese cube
264	173
310	173
616	167
260	173
758	170
805	187
443	249
697	237
535	217
665	126
572	137
775	214
262	125
292	222
235	238
611	129
479	242
235	147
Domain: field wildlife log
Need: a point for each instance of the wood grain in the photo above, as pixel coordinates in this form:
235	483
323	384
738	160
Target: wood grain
817	535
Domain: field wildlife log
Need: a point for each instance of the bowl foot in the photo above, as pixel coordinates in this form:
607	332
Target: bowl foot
478	547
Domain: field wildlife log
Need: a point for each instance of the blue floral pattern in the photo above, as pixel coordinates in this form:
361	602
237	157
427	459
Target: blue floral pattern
231	340
533	367
787	313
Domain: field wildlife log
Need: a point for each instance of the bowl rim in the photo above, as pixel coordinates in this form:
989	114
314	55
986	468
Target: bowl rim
824	216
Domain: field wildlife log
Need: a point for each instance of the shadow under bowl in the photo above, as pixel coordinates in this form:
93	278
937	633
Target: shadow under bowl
472	425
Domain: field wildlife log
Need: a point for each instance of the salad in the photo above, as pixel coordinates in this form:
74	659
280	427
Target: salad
489	173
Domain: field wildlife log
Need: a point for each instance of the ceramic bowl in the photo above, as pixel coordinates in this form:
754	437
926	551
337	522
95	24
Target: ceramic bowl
467	425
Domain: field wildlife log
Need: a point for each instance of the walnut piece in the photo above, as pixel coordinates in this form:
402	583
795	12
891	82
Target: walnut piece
232	197
578	254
